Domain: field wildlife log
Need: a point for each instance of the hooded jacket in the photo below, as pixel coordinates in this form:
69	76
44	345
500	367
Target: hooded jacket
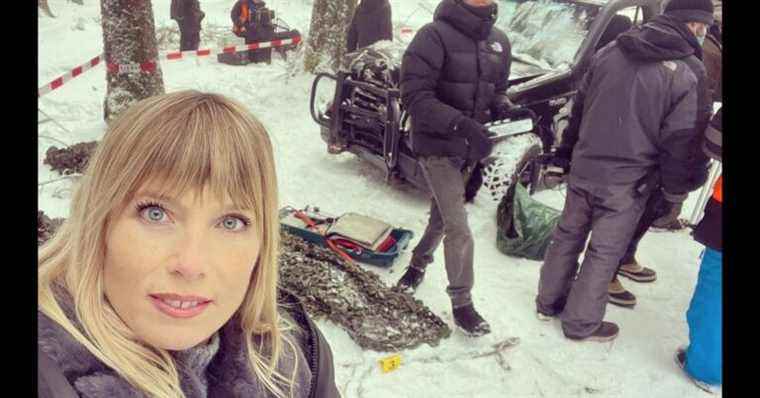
642	110
456	66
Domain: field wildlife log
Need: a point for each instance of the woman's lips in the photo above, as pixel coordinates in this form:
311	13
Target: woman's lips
178	306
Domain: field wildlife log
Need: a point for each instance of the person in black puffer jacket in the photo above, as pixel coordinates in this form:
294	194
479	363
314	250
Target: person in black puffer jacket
370	24
454	78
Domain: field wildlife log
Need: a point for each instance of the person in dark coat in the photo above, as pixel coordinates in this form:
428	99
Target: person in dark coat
713	59
702	360
188	15
163	280
252	20
662	213
712	49
618	24
623	152
454	77
371	23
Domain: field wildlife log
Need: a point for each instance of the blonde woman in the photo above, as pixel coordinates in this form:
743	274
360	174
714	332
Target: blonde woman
163	280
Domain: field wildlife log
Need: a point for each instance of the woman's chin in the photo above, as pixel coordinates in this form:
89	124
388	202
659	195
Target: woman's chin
173	341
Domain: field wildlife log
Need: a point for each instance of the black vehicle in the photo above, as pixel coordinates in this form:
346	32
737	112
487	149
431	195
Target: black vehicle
552	44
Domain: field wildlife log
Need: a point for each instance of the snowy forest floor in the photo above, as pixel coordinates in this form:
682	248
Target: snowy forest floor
544	364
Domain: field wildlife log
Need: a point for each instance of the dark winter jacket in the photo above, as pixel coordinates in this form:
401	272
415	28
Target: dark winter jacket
618	24
249	20
709	231
713	59
370	24
66	367
456	66
187	13
641	111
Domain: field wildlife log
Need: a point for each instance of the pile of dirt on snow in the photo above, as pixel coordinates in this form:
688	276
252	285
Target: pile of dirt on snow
71	159
46	227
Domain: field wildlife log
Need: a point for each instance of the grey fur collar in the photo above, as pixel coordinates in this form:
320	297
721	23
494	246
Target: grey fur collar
227	375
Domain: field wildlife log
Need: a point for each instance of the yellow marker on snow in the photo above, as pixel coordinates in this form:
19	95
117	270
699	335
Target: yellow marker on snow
391	363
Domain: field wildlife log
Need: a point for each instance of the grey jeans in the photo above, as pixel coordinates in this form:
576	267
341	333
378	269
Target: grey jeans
610	214
448	223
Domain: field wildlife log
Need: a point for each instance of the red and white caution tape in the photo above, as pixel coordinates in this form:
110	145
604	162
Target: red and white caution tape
171	56
150	66
70	75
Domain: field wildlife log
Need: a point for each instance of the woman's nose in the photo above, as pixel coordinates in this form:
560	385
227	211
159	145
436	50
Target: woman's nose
191	259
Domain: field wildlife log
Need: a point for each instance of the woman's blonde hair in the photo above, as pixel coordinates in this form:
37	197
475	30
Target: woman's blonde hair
187	140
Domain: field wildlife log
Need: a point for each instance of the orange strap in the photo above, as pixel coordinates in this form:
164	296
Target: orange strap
245	14
718	190
303	217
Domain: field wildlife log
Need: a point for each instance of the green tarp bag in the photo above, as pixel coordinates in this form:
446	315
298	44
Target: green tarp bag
525	225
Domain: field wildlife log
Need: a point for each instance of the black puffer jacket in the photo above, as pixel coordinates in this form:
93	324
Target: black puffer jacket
457	65
642	110
370	24
187	13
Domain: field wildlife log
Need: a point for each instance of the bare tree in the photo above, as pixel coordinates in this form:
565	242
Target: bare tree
129	42
45	8
327	35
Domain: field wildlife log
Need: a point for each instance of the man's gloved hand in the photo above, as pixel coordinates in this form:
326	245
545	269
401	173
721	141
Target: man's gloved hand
480	145
561	159
669	208
502	109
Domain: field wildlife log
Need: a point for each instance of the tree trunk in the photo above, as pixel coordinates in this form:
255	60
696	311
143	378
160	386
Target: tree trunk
45	8
129	38
327	35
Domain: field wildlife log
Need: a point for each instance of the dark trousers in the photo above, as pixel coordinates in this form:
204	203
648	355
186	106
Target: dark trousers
609	214
448	224
189	37
656	207
257	35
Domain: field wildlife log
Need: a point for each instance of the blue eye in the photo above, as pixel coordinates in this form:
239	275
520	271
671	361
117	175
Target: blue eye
153	213
233	223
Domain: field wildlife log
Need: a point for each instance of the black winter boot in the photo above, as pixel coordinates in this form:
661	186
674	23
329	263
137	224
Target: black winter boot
411	279
471	323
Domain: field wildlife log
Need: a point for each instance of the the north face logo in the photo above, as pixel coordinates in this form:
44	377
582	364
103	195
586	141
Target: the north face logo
670	65
496	46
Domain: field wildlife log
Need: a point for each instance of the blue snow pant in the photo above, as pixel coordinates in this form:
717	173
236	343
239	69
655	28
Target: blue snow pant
704	360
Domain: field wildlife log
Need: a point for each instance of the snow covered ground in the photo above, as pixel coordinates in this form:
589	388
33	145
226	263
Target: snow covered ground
544	363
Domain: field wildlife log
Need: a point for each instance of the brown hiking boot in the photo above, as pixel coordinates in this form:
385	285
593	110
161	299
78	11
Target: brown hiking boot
637	272
619	296
607	331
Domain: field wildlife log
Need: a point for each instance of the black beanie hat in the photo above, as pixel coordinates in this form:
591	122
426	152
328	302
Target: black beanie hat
691	10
